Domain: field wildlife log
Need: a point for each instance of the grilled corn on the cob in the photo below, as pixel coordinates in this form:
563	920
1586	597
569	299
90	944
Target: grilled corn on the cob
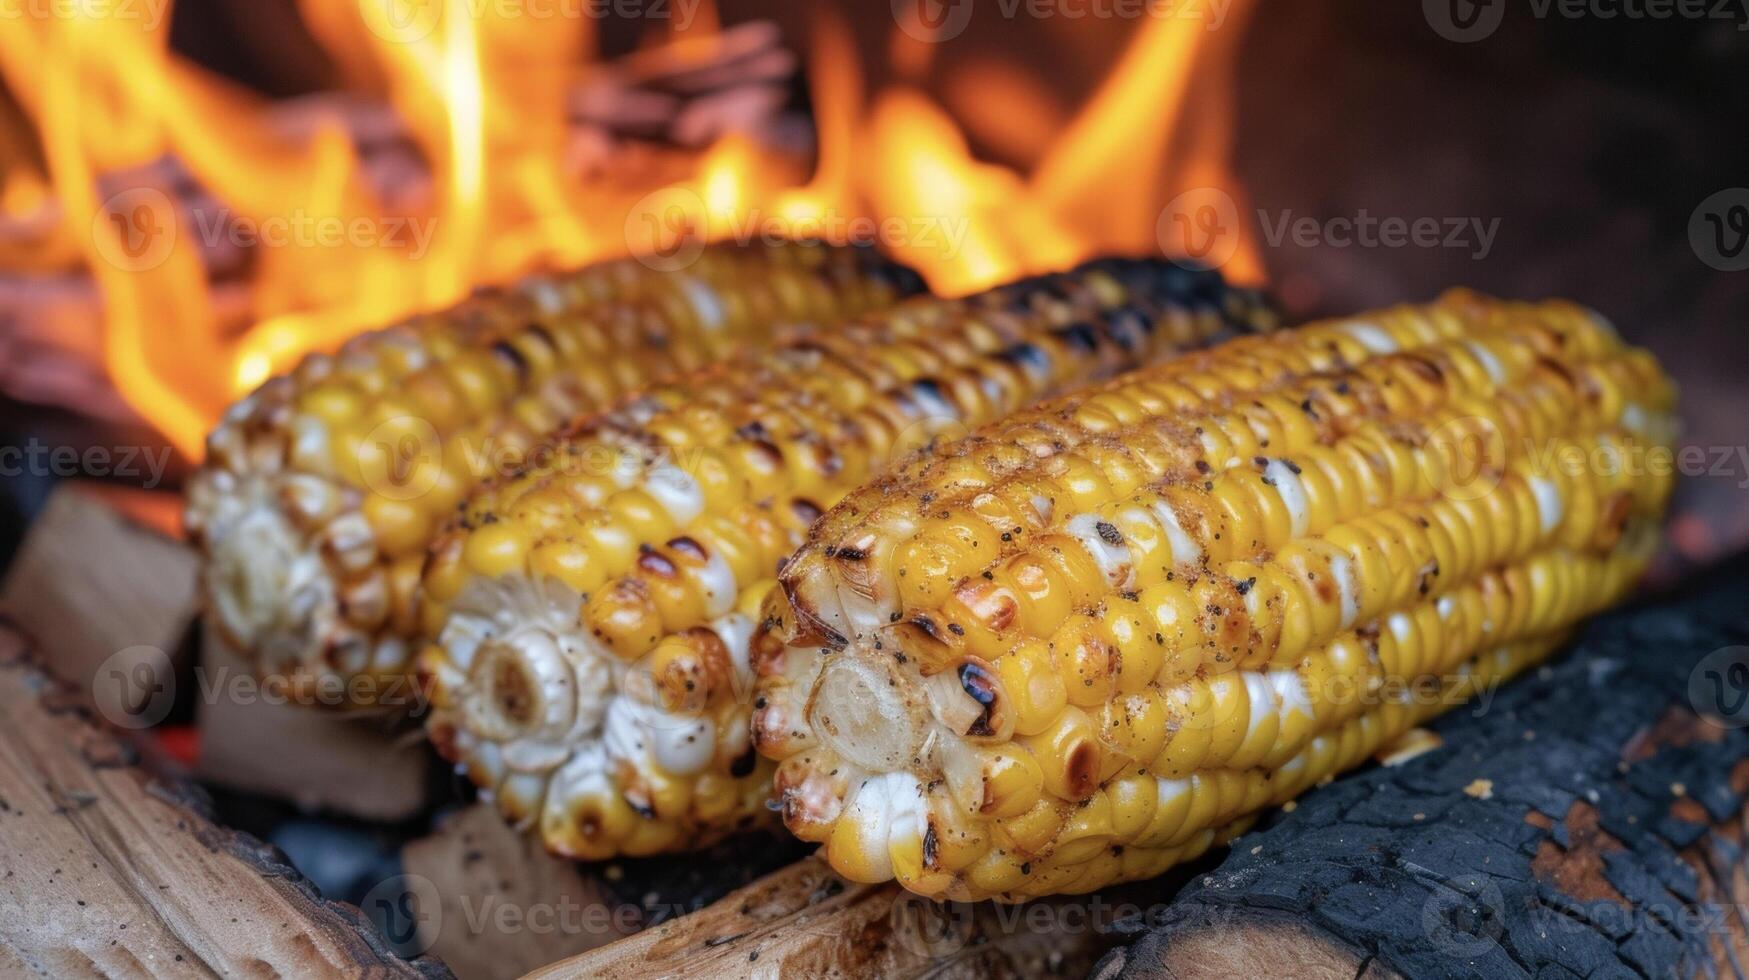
592	614
1098	637
322	489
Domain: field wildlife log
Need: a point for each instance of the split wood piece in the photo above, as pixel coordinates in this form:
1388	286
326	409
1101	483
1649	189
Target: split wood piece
1587	820
101	579
106	871
255	738
506	906
806	921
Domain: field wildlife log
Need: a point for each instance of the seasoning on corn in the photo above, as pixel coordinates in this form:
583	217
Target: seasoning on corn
322	489
592	615
1099	637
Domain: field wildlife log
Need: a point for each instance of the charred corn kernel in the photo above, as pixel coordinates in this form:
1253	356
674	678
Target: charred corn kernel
392	430
625	572
1299	547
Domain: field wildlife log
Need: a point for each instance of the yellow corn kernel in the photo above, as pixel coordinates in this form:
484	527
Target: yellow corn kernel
1036	692
1068	753
497	549
1012	782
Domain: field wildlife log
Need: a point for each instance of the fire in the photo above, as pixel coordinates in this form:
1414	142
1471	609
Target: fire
156	175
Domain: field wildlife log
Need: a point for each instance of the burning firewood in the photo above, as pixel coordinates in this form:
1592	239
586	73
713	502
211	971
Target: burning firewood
648	114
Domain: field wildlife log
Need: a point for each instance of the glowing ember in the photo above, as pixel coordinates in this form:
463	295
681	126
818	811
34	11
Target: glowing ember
486	179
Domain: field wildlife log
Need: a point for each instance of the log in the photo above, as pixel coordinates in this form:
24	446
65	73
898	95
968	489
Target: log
1590	820
374	768
100	571
506	906
502	906
806	921
105	870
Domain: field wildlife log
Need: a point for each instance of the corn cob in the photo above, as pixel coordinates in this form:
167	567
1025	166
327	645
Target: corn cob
592	615
322	489
1099	637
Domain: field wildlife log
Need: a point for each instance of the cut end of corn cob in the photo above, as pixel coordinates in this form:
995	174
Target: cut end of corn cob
323	488
592	616
267	583
1097	638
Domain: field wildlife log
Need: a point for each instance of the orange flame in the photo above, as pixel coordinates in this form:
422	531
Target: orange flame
480	92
